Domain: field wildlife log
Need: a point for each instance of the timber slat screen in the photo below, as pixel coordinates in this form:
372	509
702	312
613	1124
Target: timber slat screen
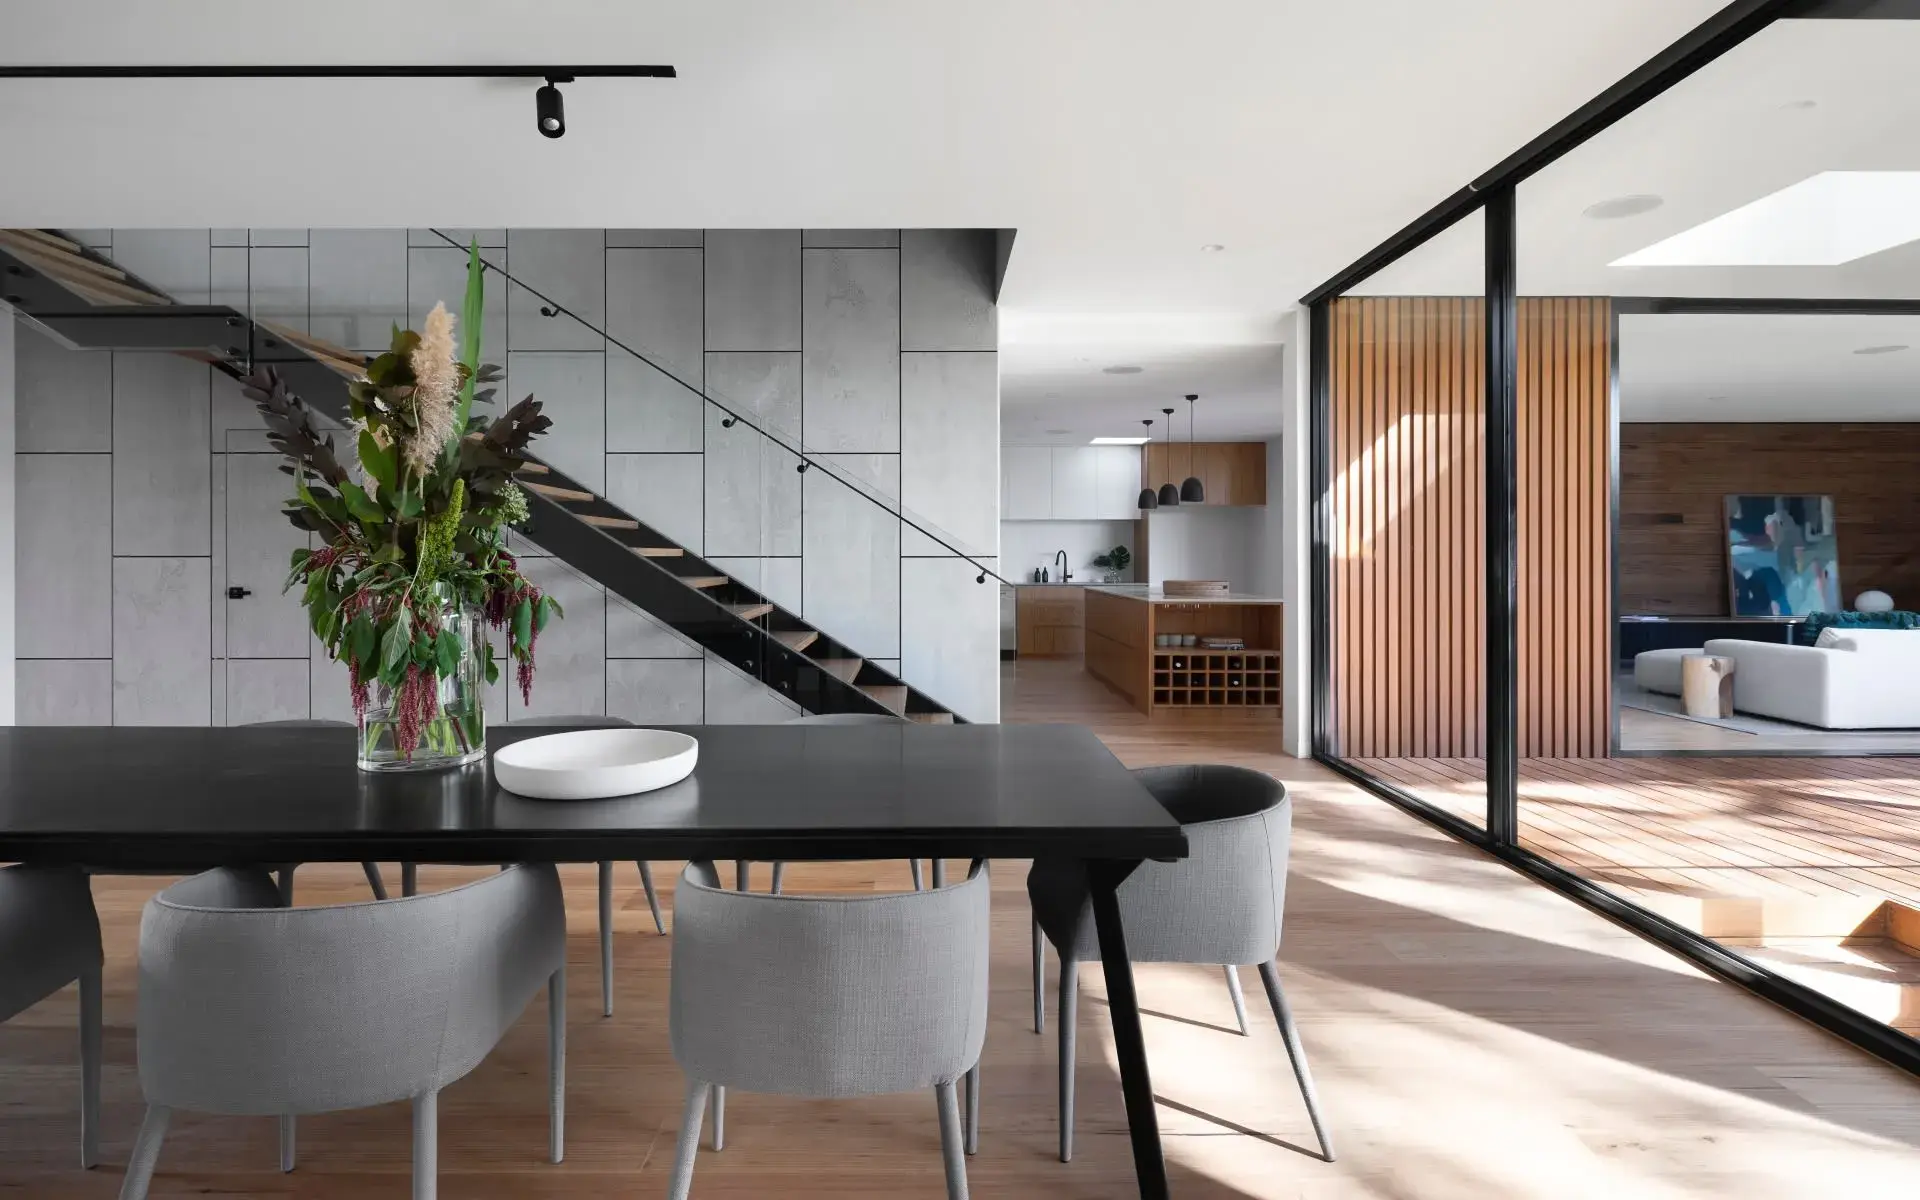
1407	409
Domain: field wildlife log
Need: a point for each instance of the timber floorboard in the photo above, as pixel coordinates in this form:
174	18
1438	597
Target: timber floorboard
1473	1035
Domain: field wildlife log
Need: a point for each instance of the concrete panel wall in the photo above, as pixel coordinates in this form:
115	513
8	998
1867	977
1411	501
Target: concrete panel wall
873	349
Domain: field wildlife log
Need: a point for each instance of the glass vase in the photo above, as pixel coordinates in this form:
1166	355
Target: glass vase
456	732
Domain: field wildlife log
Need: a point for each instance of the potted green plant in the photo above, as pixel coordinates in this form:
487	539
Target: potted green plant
411	567
1114	562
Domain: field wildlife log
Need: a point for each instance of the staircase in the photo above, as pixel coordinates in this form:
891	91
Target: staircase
88	302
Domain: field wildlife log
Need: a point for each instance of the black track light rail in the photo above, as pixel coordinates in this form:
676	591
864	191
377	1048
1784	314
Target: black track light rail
338	71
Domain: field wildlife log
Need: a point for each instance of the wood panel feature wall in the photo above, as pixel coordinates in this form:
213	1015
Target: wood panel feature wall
1674	479
1408	558
1565	581
1234	473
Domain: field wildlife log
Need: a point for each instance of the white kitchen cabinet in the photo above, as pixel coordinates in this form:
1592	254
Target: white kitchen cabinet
1029	474
1076	482
1117	490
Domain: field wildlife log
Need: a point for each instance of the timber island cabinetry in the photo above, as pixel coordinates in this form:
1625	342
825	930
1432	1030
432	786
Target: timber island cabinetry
1123	622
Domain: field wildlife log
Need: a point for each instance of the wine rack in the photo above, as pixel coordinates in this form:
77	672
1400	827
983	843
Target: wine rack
1190	677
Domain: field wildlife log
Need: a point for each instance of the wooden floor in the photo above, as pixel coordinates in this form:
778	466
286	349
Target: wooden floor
1707	826
1474	1036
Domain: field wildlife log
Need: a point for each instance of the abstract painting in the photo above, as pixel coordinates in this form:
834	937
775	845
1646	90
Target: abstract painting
1782	556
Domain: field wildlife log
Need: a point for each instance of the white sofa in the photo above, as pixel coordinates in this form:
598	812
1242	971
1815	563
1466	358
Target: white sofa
1849	679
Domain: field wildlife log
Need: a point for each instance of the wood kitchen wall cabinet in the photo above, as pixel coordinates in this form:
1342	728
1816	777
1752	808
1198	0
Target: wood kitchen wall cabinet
1234	473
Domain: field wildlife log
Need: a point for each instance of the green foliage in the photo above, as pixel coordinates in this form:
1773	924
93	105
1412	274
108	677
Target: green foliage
401	542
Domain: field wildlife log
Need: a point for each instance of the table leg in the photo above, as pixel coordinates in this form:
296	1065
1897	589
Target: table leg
1149	1166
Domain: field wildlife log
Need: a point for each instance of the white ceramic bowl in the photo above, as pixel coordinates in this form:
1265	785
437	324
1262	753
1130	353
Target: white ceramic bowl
592	764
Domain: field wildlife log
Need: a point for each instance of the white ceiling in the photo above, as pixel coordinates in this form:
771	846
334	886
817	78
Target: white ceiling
1774	367
1118	138
1739	129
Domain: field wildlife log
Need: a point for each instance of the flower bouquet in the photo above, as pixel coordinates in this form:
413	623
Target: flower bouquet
411	567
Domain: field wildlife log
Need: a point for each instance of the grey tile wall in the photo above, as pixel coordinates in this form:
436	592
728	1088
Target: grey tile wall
63	691
654	308
162	649
359	287
946	290
567	266
851	368
753	289
800	332
161	474
63	554
63	398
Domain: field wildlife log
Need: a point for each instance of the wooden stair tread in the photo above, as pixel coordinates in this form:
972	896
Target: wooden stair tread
72	259
51	240
797	639
658	551
893	695
931	718
94	288
555	492
705	581
843	669
532	468
747	612
601	522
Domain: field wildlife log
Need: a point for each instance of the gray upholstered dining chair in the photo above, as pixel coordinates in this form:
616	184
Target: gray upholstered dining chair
597	721
250	1008
826	996
285	872
780	868
1221	904
50	937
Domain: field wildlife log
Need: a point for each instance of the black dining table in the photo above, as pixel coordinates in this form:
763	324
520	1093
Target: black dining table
135	798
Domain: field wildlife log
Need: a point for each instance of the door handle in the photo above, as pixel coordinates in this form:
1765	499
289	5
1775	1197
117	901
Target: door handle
237	592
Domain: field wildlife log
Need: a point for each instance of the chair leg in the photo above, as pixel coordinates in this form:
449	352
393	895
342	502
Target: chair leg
1270	975
557	1063
426	1146
689	1143
919	883
1039	980
409	879
1069	1032
374	881
779	870
653	898
719	1117
952	1154
90	1066
146	1153
1239	999
287	1154
606	939
286	886
939	872
973	1109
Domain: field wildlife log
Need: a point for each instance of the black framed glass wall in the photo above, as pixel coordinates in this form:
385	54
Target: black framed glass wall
1707	278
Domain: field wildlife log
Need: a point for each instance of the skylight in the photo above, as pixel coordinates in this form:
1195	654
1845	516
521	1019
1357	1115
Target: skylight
1824	220
1125	441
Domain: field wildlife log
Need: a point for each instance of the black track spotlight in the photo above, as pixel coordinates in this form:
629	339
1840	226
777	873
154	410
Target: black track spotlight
550	109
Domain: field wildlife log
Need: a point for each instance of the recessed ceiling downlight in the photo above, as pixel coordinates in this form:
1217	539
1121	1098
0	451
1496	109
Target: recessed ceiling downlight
1122	369
1622	206
1212	248
1059	431
1890	349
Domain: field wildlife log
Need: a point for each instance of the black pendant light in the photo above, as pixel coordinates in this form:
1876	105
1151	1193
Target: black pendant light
1169	494
1192	491
1147	498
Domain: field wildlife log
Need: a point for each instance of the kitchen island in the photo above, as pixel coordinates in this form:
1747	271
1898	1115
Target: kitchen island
1125	621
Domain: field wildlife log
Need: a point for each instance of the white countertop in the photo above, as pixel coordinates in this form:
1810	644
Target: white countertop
1141	591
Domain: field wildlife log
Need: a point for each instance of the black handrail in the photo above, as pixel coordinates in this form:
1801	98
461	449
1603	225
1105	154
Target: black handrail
733	417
